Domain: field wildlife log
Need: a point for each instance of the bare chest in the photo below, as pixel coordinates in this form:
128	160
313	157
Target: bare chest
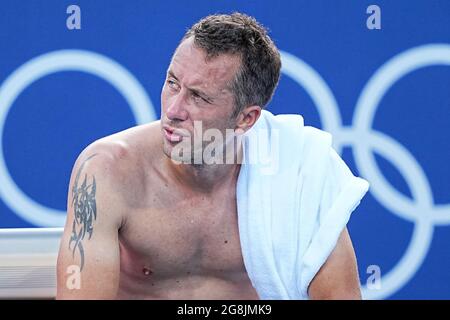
187	237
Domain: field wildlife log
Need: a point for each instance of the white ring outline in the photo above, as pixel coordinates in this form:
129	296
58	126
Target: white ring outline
422	213
63	60
312	82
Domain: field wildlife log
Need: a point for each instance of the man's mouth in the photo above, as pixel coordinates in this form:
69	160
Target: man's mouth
173	135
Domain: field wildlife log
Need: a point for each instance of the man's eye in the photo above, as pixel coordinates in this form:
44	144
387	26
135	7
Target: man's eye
172	84
198	97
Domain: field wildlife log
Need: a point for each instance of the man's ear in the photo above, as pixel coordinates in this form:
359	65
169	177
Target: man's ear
247	118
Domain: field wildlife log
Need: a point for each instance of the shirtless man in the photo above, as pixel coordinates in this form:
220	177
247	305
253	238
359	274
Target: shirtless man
139	225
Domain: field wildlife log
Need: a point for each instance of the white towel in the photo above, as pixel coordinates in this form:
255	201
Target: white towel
293	205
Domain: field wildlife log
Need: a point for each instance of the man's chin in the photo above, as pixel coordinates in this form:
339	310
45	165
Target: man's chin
167	149
169	152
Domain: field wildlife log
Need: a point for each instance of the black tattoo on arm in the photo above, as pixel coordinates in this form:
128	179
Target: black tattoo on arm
84	210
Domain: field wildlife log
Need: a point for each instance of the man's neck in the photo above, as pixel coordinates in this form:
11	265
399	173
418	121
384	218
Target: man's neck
206	177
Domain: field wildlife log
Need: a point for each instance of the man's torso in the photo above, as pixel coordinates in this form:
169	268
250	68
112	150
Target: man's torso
175	242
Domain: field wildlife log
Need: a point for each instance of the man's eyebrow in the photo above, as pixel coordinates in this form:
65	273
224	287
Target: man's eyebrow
171	74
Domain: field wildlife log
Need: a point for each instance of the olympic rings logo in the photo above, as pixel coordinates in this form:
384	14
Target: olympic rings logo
364	140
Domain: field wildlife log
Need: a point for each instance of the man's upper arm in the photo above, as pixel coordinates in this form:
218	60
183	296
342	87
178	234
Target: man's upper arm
89	261
338	277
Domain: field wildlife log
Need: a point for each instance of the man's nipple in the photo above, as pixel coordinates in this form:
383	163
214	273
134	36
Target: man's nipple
146	271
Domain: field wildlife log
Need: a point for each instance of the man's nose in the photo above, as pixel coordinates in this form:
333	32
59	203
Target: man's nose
177	109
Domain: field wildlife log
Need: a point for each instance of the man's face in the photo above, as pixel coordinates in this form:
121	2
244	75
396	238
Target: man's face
196	90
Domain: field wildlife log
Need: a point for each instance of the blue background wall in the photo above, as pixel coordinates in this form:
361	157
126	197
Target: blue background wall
402	226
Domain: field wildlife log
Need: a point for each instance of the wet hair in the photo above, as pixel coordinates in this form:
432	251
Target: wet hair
237	33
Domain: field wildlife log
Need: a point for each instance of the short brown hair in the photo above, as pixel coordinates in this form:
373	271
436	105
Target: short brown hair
259	73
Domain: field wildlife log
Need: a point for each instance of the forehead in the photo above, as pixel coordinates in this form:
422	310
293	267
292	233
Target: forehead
190	65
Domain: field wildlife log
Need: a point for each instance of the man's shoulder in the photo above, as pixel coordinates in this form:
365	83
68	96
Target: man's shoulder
120	155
